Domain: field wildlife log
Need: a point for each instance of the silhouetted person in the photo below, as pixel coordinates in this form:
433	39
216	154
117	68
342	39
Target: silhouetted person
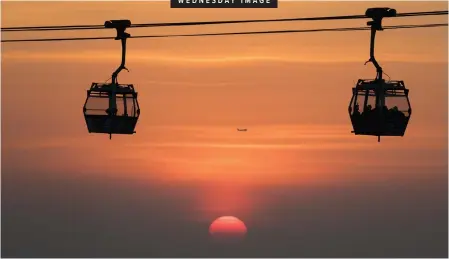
110	111
356	110
356	118
367	112
368	109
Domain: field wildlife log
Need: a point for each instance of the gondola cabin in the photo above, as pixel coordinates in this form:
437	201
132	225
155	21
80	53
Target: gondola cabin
102	117
380	108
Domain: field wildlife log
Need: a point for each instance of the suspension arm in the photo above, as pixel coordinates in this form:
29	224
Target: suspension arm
120	26
372	59
122	64
377	14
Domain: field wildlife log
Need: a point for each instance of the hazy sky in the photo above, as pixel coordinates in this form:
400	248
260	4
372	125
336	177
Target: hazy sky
303	184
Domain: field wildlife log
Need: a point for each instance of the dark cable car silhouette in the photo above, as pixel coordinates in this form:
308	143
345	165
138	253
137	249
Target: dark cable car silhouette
379	107
242	129
112	108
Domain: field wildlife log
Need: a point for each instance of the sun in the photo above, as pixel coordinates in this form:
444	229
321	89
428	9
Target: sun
228	227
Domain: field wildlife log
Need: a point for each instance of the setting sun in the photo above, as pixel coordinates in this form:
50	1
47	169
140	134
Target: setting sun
227	226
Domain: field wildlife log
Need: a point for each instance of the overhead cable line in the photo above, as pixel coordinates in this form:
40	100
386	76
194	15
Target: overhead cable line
98	27
412	26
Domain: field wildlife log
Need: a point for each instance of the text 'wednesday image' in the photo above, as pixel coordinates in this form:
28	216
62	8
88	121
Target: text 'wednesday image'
224	3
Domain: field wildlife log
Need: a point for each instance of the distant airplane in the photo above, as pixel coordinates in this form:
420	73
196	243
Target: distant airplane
241	129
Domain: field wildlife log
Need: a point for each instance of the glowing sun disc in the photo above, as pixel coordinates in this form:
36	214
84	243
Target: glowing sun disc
227	226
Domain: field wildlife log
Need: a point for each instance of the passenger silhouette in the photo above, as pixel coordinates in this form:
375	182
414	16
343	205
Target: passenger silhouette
356	110
368	108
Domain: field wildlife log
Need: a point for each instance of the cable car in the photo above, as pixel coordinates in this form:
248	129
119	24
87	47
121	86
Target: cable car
112	108
379	107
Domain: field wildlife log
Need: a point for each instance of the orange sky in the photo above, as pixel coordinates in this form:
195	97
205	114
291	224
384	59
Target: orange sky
312	47
297	175
292	91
